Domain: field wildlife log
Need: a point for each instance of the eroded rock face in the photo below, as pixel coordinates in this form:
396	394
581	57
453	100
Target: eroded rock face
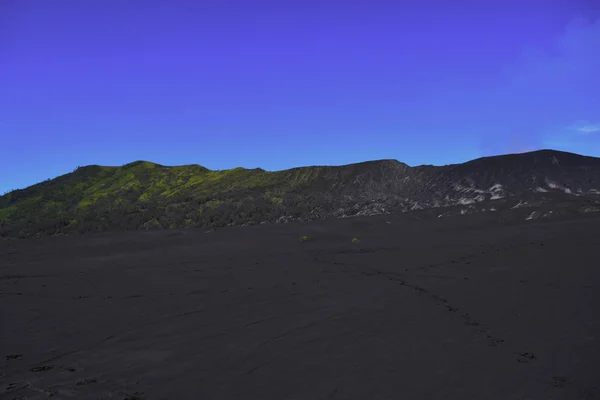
525	180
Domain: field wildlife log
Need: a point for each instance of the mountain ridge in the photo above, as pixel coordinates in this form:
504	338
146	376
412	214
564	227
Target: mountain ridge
145	195
382	160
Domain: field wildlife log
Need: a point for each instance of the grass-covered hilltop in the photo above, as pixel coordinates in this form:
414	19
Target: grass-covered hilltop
144	195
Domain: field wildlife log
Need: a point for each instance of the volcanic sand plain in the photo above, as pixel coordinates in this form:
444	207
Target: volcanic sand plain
456	308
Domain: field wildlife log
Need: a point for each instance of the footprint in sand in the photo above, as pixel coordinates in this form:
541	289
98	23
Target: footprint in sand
15	386
525	357
42	368
135	396
559	381
86	382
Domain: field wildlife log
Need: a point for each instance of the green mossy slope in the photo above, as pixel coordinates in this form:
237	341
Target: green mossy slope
143	195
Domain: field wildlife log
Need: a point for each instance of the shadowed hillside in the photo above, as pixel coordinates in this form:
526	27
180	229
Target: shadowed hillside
144	195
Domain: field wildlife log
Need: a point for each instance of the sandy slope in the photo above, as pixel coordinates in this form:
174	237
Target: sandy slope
438	309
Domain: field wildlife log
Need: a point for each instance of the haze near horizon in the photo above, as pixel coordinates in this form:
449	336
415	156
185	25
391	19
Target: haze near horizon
276	86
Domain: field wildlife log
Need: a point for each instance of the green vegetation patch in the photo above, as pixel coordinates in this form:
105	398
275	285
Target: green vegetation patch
5	213
145	195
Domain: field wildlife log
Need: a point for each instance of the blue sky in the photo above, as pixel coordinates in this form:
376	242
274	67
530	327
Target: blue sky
277	84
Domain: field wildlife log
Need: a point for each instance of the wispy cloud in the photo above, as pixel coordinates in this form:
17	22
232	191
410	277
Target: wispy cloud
543	91
585	127
576	138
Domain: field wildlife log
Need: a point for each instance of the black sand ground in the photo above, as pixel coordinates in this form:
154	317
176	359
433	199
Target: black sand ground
437	309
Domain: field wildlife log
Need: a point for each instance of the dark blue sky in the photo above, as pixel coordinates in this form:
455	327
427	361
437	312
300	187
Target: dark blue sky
279	84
